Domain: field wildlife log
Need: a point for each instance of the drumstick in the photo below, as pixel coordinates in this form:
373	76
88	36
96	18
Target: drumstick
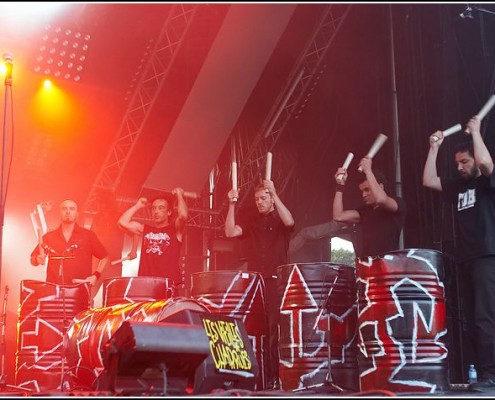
448	132
120	260
348	160
234	175
189	195
377	145
40	242
346	164
487	107
268	171
234	179
77	281
34	222
41	216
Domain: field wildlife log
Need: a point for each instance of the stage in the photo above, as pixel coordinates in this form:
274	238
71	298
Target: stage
214	342
456	391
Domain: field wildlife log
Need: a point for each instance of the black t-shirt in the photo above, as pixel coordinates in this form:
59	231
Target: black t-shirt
380	229
78	252
160	252
474	205
268	242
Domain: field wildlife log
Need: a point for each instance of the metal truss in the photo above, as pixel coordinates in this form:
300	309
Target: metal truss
199	216
251	154
143	99
205	219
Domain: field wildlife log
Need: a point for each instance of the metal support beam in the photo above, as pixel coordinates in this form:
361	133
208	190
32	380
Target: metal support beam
301	83
141	103
251	152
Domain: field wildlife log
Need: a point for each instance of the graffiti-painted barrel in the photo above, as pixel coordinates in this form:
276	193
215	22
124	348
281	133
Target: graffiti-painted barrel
236	294
318	306
92	329
135	290
402	322
45	312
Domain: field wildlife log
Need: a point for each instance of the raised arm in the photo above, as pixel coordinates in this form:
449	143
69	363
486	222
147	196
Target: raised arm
383	200
482	156
339	214
430	176
127	223
283	211
231	229
182	212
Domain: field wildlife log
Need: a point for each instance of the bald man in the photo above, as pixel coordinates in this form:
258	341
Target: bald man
70	250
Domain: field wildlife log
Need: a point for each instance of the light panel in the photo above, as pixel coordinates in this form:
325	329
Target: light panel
62	53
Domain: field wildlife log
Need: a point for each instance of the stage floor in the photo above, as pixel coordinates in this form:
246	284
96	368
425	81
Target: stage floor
322	391
455	391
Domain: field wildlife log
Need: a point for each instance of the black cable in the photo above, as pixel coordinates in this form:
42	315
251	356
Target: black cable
69	370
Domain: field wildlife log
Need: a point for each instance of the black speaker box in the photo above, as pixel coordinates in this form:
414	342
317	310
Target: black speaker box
208	377
144	357
188	352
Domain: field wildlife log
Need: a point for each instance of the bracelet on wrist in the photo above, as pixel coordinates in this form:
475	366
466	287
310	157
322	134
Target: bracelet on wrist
97	274
340	187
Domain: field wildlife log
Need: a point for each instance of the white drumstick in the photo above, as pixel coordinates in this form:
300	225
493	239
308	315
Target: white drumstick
377	145
234	179
120	260
447	132
76	280
268	171
346	164
348	160
487	107
452	129
234	175
189	195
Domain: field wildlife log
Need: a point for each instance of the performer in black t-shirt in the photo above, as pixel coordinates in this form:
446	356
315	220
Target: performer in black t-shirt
268	234
70	250
473	197
161	242
380	219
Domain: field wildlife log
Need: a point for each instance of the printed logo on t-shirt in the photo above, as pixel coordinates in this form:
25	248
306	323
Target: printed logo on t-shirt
156	242
466	199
